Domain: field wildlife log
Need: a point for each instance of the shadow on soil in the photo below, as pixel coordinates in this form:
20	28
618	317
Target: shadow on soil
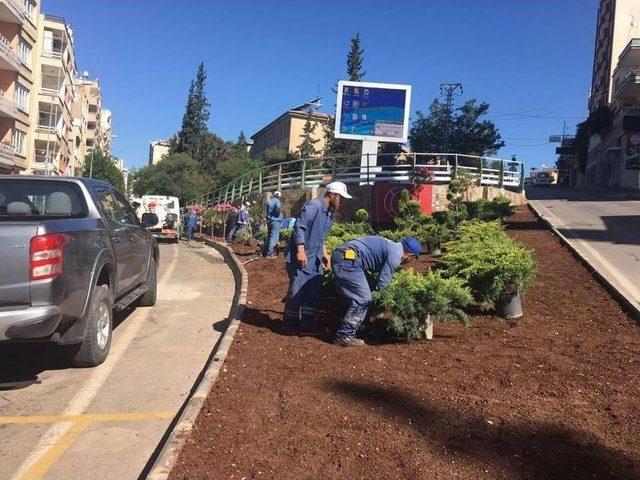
23	362
538	450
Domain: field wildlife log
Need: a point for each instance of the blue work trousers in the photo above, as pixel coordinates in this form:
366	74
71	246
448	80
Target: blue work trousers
351	282
190	233
273	235
235	229
303	299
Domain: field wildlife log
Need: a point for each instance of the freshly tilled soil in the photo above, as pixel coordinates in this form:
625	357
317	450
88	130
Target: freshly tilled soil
553	395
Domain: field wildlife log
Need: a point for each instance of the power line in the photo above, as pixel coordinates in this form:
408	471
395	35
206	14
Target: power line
448	89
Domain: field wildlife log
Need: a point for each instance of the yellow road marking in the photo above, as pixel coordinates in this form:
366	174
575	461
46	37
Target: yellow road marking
42	466
87	417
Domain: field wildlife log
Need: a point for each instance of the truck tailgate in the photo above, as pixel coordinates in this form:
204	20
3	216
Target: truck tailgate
14	261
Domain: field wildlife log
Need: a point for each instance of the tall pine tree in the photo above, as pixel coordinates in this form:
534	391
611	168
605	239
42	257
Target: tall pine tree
338	147
191	138
307	148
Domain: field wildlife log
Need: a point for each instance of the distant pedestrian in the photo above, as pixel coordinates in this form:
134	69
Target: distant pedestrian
191	222
241	222
274	224
306	258
353	264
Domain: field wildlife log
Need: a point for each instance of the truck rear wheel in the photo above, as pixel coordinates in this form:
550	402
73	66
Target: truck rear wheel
95	347
149	298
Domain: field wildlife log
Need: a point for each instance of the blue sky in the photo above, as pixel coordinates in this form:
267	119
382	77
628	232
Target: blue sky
531	60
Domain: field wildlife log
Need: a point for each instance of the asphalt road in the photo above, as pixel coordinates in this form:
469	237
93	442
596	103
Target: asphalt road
603	227
59	422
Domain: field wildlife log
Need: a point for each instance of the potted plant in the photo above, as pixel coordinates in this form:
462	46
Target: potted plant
433	236
416	301
497	269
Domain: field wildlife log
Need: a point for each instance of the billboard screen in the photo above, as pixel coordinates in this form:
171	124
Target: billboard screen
373	111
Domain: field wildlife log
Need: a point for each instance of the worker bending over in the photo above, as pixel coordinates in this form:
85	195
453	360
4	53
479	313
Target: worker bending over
353	263
306	258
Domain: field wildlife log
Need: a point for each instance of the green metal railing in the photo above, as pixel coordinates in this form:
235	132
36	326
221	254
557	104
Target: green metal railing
364	170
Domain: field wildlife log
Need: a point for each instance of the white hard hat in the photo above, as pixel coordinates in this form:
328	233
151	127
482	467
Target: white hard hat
248	204
339	188
277	193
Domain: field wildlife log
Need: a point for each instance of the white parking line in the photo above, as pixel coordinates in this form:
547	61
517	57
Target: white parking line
32	467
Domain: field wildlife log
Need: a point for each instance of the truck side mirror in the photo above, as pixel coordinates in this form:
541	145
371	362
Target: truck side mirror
149	219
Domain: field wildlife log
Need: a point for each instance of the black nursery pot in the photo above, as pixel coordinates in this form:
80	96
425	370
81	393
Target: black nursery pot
509	305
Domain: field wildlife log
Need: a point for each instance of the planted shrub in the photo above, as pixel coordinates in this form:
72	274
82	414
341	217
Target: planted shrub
489	262
285	234
243	236
361	216
415	300
498	208
343	232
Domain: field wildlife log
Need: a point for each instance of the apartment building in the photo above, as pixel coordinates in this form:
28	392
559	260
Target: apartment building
158	149
18	37
56	87
105	131
286	132
614	161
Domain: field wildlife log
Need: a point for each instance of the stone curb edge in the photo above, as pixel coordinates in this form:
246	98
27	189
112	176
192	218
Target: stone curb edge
626	304
168	456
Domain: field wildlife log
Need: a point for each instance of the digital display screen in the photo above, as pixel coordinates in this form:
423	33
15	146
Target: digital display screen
373	111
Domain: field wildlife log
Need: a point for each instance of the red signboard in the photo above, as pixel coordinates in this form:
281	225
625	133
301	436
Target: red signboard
386	195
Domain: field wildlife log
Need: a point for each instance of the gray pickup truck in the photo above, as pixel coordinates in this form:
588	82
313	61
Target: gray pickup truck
71	252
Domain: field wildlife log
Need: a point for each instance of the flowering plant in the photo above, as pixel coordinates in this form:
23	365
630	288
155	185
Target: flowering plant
421	175
197	208
224	208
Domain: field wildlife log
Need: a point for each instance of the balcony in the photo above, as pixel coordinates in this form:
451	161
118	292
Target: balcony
7	153
8	57
8	107
11	11
630	56
627	85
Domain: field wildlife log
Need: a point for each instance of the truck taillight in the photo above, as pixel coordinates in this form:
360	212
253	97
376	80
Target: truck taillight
45	254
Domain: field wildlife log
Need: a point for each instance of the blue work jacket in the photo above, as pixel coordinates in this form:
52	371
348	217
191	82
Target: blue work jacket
243	217
376	254
274	210
192	220
311	230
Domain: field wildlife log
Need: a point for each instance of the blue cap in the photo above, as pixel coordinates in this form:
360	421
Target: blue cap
412	245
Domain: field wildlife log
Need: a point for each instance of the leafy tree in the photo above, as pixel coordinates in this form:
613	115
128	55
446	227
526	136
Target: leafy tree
191	138
599	122
176	175
307	148
233	168
104	168
469	134
241	142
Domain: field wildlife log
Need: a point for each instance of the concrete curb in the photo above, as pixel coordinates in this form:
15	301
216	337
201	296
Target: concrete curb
181	428
626	304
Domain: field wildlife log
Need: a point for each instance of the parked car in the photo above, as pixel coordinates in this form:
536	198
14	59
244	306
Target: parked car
528	182
542	179
73	251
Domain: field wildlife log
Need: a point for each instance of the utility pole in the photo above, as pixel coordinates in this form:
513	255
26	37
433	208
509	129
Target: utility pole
448	89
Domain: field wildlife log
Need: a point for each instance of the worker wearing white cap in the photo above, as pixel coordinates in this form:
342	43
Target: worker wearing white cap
306	258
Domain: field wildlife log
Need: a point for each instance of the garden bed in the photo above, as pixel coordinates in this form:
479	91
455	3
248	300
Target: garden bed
554	395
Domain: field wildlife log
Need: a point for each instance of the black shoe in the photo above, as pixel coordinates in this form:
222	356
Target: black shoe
315	332
287	330
346	341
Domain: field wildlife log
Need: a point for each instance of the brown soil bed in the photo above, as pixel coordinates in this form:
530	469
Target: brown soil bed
554	395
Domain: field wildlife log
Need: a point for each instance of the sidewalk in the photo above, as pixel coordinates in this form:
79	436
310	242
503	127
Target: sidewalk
602	229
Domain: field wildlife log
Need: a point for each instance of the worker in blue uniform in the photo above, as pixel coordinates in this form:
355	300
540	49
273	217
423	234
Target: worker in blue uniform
306	258
274	224
352	265
242	220
191	223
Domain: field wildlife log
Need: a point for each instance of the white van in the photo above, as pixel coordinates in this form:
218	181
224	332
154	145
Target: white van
168	211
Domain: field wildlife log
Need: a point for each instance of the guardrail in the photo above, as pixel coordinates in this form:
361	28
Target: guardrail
364	170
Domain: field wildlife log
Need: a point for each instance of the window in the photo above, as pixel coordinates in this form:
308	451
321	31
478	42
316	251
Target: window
17	139
89	142
108	205
40	199
128	213
24	53
22	98
28	8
